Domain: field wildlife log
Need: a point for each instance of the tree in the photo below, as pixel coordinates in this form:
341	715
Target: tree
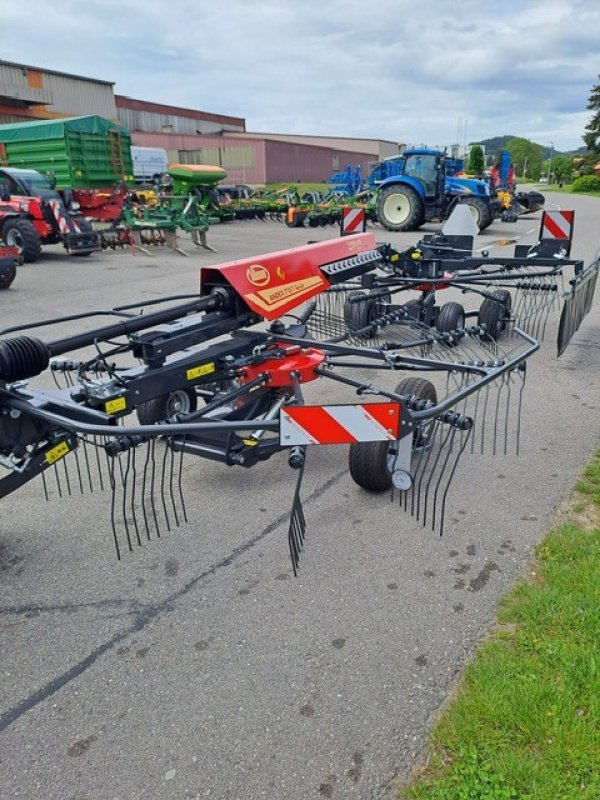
561	168
476	163
527	157
592	137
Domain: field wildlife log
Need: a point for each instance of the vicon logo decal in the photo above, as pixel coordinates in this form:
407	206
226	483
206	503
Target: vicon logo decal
258	275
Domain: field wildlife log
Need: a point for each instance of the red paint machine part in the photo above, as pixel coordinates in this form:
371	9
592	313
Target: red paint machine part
296	362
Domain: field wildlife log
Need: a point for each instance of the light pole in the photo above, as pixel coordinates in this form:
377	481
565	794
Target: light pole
550	162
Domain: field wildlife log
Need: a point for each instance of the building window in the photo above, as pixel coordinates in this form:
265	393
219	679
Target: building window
335	161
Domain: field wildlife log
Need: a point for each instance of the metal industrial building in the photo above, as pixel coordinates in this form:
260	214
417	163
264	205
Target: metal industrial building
28	93
188	135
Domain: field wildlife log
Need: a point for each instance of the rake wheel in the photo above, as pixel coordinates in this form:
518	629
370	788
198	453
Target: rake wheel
358	313
494	312
180	401
450	318
369	462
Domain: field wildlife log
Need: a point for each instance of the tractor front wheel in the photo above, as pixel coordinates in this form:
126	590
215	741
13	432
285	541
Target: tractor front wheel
20	233
159	409
399	208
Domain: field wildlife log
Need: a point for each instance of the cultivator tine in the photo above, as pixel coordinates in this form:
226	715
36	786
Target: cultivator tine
297	526
578	303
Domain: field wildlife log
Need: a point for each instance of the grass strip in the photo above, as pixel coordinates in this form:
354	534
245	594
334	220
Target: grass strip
524	723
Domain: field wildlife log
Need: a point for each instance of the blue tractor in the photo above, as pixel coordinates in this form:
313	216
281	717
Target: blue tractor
425	188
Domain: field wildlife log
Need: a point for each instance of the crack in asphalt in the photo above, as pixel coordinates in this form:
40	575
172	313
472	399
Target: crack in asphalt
147	615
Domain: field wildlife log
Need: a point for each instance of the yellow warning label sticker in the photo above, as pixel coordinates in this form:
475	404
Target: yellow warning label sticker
57	452
197	372
116	405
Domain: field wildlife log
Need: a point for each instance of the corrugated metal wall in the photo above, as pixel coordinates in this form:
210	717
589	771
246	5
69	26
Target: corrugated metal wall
377	148
298	163
243	159
153	122
65	95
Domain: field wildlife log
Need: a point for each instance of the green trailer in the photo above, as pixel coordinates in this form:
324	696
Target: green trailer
82	152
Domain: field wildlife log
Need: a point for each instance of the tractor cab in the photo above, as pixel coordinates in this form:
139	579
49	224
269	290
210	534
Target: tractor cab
424	166
26	183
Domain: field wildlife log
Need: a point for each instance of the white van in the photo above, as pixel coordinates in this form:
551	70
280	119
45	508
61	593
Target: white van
148	162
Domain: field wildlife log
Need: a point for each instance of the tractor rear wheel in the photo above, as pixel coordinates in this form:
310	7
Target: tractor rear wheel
159	409
480	211
370	463
399	208
20	233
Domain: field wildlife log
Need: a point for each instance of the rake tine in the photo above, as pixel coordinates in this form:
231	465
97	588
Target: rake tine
87	464
441	448
179	481
45	485
76	454
432	444
97	447
506	416
67	479
500	385
465	439
132	504
162	488
153	484
441	475
484	417
58	486
143	490
171	453
297	525
113	504
124	476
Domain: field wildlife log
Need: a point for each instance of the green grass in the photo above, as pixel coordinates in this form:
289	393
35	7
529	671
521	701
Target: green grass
566	189
525	721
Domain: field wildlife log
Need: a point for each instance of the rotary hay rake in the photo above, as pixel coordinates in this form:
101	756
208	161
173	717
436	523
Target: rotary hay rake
524	290
215	347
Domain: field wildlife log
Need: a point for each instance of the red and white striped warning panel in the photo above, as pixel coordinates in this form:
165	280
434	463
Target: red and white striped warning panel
557	225
354	220
361	422
63	223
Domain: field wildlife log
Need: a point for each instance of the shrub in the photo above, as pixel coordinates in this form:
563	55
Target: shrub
586	183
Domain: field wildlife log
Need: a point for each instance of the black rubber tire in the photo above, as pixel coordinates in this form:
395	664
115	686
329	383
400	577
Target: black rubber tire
480	210
494	313
450	318
415	212
367	461
8	272
20	233
358	315
162	408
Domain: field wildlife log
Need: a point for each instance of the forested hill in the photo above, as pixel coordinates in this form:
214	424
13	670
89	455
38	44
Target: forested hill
497	143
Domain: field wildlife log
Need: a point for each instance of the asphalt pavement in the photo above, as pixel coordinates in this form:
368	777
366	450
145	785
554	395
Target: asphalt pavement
198	666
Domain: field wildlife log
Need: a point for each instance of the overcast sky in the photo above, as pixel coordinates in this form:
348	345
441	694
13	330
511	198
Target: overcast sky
393	69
